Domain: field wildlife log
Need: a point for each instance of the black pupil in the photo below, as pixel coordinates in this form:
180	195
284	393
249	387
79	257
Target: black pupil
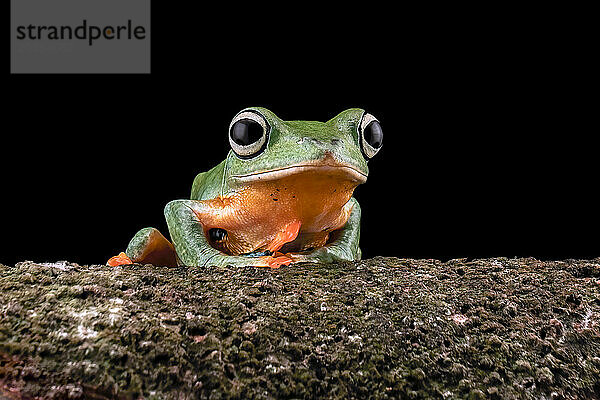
217	234
246	131
374	135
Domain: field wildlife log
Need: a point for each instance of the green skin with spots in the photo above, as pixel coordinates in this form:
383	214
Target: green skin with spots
289	143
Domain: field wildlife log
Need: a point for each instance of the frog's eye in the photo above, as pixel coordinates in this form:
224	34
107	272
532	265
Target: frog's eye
217	234
248	134
370	135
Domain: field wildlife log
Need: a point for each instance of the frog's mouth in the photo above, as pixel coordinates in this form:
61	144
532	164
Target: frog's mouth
322	167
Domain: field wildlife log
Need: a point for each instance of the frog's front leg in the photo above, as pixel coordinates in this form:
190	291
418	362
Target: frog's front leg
345	245
191	244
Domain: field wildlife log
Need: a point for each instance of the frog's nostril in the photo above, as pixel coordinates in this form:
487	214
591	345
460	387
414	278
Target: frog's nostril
328	155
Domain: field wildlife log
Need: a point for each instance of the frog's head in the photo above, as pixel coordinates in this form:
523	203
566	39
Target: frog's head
265	148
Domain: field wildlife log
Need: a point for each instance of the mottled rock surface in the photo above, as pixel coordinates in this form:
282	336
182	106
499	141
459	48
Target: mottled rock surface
379	328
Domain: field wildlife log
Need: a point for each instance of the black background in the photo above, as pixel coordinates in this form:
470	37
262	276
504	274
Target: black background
487	148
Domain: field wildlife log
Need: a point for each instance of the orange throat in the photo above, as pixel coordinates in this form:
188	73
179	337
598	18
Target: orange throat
294	213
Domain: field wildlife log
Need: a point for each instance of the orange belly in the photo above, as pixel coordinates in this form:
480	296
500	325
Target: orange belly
257	212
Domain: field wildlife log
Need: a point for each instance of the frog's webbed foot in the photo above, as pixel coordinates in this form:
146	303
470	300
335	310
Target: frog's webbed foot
274	258
277	261
288	234
148	246
270	259
121	259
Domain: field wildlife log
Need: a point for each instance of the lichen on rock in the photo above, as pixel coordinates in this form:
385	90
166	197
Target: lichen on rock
380	328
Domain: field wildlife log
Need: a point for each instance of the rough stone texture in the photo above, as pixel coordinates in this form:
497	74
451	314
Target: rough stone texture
379	328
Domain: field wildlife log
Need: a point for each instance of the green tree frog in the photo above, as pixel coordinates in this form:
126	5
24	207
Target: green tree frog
282	195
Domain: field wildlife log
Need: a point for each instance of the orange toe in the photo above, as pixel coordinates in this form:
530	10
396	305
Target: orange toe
121	259
288	234
276	261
